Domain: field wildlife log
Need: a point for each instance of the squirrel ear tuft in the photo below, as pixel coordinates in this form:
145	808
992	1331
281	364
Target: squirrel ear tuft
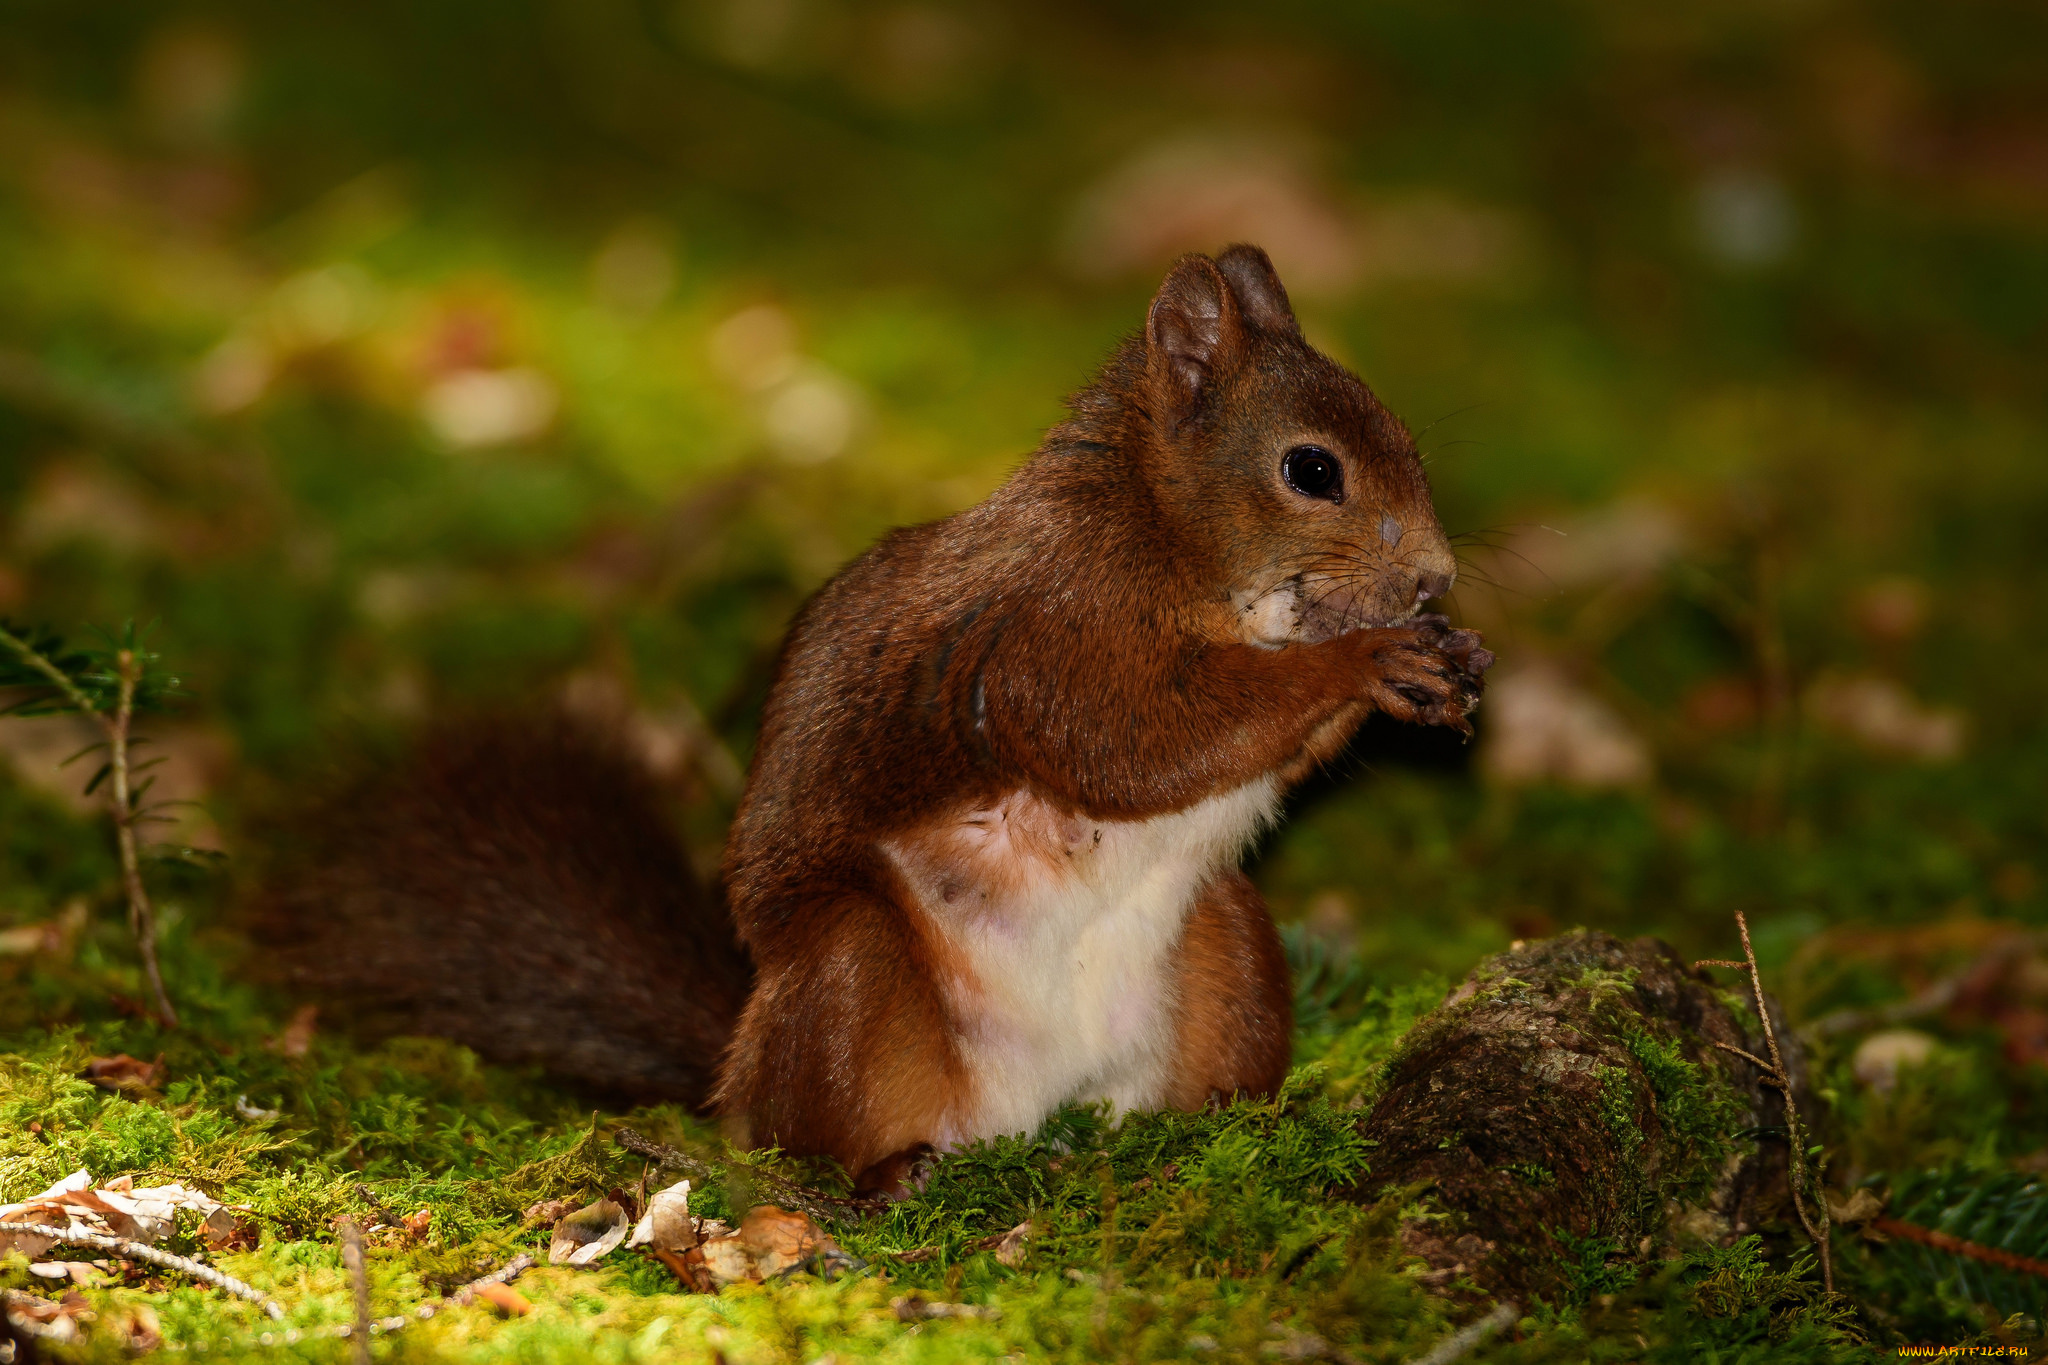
1257	286
1193	328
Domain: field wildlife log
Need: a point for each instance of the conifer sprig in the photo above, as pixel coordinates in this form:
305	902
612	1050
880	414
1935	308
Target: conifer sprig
1775	1074
109	685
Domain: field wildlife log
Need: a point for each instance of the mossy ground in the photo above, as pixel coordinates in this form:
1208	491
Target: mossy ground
1220	1235
244	248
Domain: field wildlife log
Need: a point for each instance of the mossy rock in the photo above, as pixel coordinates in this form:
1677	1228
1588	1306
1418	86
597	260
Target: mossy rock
1568	1096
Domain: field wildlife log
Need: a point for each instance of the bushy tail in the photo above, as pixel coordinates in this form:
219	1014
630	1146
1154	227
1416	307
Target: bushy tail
514	885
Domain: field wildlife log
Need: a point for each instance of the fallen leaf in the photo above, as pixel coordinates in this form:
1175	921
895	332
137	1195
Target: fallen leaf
118	1209
43	1209
914	1308
56	936
416	1224
549	1211
726	1260
253	1112
122	1072
1885	718
1859	1208
770	1241
667	1225
52	1320
1545	727
780	1240
505	1299
137	1328
296	1040
2025	1034
688	1268
1881	1056
588	1234
1014	1246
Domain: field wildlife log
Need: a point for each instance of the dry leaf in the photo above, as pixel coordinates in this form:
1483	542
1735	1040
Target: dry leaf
770	1242
588	1234
549	1211
137	1328
49	1319
914	1308
688	1268
122	1072
505	1299
780	1240
667	1225
117	1209
253	1112
1859	1208
1885	718
297	1038
1882	1056
53	936
1544	727
1011	1250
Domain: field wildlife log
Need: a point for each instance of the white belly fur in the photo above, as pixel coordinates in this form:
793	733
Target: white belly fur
1061	932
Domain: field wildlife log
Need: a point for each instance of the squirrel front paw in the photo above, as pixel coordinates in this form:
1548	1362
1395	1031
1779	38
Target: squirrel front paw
1429	674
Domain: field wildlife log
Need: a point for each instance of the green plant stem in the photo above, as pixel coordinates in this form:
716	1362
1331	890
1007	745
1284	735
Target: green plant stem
359	1284
141	915
116	727
1776	1074
56	675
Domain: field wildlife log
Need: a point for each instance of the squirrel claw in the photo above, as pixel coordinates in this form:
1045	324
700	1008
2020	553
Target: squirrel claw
1434	677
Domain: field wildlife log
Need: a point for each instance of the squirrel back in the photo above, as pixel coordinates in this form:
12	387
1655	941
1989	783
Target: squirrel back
515	885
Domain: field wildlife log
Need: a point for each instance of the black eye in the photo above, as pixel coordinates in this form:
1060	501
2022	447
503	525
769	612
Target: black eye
1314	473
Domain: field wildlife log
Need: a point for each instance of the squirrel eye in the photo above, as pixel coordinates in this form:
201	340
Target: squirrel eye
1314	473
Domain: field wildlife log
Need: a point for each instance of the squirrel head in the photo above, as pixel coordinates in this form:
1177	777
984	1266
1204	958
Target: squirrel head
1277	465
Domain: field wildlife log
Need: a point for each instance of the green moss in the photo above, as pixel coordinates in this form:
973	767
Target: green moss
1698	1108
1637	1196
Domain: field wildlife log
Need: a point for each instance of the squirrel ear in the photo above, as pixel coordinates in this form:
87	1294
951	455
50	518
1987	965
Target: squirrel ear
1193	327
1259	291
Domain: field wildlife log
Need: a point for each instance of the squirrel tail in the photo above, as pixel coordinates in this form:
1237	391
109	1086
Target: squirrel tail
515	886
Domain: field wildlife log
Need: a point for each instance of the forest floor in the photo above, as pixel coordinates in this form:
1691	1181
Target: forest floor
1251	1233
399	360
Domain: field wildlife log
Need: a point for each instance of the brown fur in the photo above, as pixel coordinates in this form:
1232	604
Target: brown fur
515	886
1236	1005
1074	636
1147	616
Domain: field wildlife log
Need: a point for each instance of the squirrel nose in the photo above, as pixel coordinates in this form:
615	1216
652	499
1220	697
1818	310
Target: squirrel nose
1431	583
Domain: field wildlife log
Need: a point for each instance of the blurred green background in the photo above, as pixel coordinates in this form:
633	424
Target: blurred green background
396	357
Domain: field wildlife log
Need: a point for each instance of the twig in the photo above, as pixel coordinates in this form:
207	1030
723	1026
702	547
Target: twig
918	1255
20	1330
116	727
1936	997
141	915
1956	1246
1775	1074
915	1308
198	1270
782	1190
504	1274
1751	1058
359	1282
1461	1342
58	678
384	1215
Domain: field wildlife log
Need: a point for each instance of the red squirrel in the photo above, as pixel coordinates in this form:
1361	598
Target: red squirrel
987	858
